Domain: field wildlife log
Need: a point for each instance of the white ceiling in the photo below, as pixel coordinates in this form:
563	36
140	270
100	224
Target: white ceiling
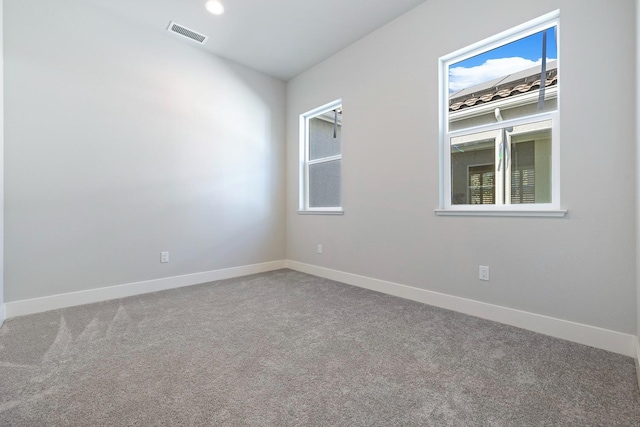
281	38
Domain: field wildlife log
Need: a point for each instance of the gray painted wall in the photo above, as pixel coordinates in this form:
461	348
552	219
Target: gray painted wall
580	268
637	121
1	157
122	142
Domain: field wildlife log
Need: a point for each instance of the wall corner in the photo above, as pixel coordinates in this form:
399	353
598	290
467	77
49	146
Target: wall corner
637	257
2	306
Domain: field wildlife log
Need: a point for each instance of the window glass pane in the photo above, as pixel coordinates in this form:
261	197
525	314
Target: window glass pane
479	174
482	189
531	163
511	72
324	184
523	173
473	167
321	140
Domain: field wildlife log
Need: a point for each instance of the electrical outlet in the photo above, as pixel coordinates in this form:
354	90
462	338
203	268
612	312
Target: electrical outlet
319	249
483	273
164	256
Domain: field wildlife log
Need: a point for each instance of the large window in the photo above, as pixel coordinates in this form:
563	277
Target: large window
321	159
500	125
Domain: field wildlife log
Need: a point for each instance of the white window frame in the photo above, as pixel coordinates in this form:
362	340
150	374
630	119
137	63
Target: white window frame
304	162
445	135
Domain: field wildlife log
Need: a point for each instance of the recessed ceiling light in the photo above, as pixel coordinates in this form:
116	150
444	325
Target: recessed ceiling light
215	7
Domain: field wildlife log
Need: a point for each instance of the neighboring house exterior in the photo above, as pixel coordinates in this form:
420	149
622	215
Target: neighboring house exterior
480	168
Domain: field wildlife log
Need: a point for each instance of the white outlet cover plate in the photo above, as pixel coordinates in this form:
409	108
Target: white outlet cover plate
483	273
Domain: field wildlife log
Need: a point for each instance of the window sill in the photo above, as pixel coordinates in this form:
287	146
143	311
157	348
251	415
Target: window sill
552	213
312	212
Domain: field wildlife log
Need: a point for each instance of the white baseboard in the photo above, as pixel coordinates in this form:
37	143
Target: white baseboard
584	334
54	302
593	336
637	357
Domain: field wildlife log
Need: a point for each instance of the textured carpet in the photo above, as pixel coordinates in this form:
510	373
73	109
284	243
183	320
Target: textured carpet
285	348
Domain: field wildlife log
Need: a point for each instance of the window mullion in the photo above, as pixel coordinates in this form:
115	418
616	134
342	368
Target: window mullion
324	160
501	125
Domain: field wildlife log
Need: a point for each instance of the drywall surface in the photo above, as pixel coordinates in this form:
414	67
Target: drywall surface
637	121
578	268
122	142
1	161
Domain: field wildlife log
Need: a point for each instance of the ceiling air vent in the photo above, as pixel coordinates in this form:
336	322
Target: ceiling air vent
183	31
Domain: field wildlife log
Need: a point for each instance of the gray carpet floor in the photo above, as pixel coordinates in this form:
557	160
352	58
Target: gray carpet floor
289	349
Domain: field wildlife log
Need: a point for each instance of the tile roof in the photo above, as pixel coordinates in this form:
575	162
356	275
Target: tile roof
504	87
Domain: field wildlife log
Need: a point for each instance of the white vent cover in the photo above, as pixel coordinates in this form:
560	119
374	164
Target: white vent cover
183	31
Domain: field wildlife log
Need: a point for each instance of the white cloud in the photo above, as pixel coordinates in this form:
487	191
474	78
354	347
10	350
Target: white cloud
461	78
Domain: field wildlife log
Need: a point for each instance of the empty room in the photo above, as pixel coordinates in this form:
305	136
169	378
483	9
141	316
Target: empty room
319	212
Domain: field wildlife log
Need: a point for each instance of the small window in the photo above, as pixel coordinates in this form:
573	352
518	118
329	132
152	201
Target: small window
321	159
499	121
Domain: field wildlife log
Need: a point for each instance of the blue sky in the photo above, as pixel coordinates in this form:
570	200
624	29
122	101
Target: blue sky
516	56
